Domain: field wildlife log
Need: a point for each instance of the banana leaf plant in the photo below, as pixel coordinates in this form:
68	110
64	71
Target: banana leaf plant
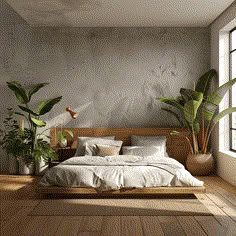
33	117
197	110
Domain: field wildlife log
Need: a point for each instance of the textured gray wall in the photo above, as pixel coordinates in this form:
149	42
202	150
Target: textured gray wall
110	75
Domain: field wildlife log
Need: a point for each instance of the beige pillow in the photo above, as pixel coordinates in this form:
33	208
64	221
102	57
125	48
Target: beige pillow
107	150
81	143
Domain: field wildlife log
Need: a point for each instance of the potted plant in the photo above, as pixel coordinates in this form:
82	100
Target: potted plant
34	147
197	111
62	138
9	138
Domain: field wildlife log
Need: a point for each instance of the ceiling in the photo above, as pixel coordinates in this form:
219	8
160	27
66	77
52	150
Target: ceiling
118	13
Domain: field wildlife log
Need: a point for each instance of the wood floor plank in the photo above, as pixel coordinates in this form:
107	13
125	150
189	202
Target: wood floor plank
70	225
17	224
19	198
91	223
89	234
151	226
43	225
131	225
171	226
223	204
217	184
111	225
211	226
8	208
191	226
220	215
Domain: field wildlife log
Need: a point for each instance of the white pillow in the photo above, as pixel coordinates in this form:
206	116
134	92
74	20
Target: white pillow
142	151
158	141
81	141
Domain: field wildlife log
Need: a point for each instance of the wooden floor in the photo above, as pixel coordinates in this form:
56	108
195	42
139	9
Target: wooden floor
18	197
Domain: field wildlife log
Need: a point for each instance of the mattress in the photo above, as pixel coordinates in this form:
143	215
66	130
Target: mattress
117	172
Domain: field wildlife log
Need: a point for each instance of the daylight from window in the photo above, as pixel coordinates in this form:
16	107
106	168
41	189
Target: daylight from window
233	91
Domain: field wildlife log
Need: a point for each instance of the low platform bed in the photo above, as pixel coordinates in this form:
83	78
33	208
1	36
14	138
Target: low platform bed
133	191
128	169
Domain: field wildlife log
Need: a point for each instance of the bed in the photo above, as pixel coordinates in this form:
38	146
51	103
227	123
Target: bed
124	174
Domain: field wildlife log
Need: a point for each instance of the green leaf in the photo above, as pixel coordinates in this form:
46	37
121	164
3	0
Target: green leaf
223	113
18	113
19	91
45	107
213	100
47	136
183	134
177	116
39	123
191	108
204	82
189	94
60	136
35	89
181	100
196	126
28	110
69	132
172	102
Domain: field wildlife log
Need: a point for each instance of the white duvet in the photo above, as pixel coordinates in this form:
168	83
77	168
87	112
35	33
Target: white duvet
124	171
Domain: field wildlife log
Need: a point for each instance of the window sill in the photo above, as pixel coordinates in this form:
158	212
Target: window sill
229	153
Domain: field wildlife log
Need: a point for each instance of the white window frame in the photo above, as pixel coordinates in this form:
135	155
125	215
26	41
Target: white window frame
230	92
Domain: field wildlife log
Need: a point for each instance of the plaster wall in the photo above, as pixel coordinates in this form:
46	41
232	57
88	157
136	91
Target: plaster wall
111	76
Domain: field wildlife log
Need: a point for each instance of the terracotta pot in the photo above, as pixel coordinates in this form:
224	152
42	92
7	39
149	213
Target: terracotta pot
200	164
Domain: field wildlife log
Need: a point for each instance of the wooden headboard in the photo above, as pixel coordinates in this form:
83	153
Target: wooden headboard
177	147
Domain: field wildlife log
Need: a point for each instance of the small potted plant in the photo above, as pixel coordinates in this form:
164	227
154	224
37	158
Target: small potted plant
43	154
62	138
9	138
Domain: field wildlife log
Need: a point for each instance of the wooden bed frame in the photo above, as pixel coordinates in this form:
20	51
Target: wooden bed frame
177	147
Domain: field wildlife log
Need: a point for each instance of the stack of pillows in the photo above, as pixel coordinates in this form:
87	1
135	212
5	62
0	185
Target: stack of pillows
108	146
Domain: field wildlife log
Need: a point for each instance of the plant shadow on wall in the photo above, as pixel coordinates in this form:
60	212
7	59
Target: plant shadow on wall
197	111
27	144
140	107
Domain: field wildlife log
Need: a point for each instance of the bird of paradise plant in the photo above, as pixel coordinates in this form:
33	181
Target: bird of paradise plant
197	111
36	147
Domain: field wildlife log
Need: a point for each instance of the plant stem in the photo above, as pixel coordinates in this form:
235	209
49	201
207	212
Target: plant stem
190	145
205	138
195	145
203	132
208	136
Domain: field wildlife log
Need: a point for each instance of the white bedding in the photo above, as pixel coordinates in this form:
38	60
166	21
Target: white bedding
115	172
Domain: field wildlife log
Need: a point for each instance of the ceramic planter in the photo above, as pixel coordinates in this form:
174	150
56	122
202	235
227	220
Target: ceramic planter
200	164
40	167
13	165
25	169
63	143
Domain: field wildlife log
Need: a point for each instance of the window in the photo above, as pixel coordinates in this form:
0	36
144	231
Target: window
232	100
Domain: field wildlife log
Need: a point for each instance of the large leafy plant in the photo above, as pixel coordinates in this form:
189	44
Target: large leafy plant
197	110
35	147
11	138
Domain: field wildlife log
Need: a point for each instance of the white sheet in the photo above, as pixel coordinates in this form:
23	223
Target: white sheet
115	172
